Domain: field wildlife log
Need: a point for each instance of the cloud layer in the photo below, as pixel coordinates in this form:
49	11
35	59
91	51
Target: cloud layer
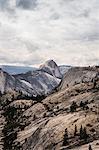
32	31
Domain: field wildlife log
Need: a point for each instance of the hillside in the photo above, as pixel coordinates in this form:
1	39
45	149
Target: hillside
43	125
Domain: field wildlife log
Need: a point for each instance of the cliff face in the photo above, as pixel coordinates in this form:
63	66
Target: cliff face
43	125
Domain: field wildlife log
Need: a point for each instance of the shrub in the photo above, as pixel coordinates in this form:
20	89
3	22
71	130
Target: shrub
73	107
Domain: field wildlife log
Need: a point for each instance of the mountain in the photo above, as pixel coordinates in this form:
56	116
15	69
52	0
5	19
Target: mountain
23	69
16	69
64	68
51	68
65	119
32	83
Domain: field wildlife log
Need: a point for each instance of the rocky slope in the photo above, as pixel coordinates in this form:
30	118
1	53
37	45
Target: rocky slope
64	68
42	125
33	83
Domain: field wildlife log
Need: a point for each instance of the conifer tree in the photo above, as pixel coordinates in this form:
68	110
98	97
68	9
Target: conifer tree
85	136
73	107
90	148
75	132
65	139
81	104
81	132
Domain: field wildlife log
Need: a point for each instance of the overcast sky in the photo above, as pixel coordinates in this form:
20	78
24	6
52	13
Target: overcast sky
33	31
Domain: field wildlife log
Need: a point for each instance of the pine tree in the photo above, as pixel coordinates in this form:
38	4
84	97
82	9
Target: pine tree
81	104
81	132
75	132
65	139
90	148
85	136
0	93
34	117
94	84
73	107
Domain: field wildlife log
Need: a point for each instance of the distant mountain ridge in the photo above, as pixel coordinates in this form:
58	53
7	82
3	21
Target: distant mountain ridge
23	69
17	69
36	82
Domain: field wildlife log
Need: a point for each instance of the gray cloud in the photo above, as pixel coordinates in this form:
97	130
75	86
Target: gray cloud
26	4
32	31
3	4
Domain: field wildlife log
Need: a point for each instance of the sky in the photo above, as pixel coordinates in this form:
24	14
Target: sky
33	31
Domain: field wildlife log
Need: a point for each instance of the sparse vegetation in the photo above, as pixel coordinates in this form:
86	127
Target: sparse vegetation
38	98
10	134
84	105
